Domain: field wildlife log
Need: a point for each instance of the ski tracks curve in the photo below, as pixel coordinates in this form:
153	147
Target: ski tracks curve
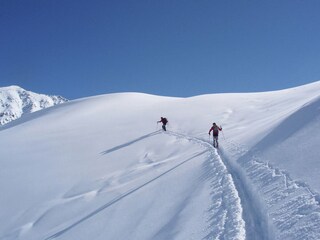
291	208
226	210
227	219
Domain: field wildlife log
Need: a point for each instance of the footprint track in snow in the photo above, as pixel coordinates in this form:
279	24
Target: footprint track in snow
292	208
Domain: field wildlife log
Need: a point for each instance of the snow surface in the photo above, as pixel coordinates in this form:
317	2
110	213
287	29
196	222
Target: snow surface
101	168
15	101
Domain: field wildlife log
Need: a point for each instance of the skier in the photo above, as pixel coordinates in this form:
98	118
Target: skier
215	130
164	121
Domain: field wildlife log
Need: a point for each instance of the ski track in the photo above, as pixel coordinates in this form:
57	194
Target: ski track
226	212
293	209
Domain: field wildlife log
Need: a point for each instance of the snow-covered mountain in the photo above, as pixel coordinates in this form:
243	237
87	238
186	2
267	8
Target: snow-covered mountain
106	170
15	101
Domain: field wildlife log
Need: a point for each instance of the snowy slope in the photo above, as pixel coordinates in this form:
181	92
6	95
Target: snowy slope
15	101
105	170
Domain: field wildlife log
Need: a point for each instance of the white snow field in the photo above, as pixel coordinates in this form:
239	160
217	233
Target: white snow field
101	168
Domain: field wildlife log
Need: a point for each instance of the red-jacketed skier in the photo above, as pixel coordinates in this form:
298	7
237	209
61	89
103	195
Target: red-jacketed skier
164	122
215	130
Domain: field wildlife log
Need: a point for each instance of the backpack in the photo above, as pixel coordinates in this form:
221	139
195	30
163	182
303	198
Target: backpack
164	121
215	131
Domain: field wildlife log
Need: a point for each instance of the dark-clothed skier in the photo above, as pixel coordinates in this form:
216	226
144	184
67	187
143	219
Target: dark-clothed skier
164	122
215	132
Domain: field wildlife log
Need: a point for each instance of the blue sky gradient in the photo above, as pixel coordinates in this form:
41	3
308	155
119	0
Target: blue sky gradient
169	47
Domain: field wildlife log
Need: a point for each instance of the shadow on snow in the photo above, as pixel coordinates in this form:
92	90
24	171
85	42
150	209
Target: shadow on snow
130	143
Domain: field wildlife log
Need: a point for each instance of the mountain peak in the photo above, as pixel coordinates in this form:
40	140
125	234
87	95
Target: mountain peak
12	87
16	101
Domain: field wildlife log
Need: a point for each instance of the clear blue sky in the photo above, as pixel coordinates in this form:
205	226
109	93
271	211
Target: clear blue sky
79	48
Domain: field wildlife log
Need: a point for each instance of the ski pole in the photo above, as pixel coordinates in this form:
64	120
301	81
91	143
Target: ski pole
210	139
223	135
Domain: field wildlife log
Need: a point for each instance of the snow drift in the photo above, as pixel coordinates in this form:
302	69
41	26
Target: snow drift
101	168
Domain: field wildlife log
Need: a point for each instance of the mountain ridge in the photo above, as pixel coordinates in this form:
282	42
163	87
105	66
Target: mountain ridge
16	101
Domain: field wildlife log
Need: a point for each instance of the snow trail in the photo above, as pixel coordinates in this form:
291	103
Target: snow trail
224	214
226	220
293	209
